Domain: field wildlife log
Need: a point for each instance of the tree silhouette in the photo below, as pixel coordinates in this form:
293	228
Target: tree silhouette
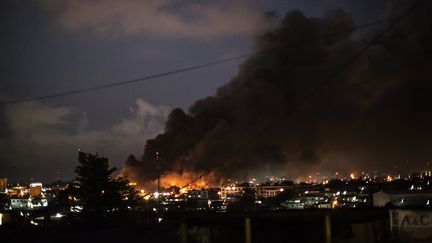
97	191
4	200
247	200
287	194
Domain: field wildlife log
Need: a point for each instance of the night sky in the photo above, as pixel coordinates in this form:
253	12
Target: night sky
50	46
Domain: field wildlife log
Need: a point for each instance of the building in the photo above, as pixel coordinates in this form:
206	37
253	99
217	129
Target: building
293	204
231	192
17	191
20	203
198	194
3	184
35	189
28	203
402	199
268	191
315	200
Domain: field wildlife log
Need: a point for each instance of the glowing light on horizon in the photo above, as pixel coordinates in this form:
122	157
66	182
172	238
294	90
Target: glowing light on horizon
334	204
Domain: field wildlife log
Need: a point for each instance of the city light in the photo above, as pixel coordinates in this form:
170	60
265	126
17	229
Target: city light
315	193
334	204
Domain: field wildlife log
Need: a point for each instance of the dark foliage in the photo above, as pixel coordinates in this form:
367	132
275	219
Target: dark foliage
97	191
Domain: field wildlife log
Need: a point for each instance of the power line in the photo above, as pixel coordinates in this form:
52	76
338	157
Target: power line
318	88
186	69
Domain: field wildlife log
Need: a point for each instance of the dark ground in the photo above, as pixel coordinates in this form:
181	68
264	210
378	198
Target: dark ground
287	226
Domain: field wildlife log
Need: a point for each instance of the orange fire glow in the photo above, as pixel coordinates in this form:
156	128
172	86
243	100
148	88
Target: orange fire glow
188	180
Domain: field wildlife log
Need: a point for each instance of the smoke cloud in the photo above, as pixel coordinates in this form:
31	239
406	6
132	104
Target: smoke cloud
157	18
375	114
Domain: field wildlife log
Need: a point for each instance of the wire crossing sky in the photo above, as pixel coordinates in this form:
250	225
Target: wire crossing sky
181	70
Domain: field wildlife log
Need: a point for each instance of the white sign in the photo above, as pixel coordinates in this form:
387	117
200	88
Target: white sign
411	224
410	218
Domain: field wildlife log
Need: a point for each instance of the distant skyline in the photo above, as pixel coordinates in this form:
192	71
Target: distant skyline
52	46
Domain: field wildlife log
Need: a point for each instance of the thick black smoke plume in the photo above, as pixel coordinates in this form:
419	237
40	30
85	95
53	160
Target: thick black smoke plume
375	114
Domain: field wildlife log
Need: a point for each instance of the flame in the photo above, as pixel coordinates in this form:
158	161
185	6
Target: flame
187	180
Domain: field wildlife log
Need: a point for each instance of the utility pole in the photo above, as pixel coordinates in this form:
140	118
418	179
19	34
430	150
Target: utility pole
158	168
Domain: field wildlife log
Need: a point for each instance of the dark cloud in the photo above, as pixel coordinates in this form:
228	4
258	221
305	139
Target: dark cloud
39	139
371	116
